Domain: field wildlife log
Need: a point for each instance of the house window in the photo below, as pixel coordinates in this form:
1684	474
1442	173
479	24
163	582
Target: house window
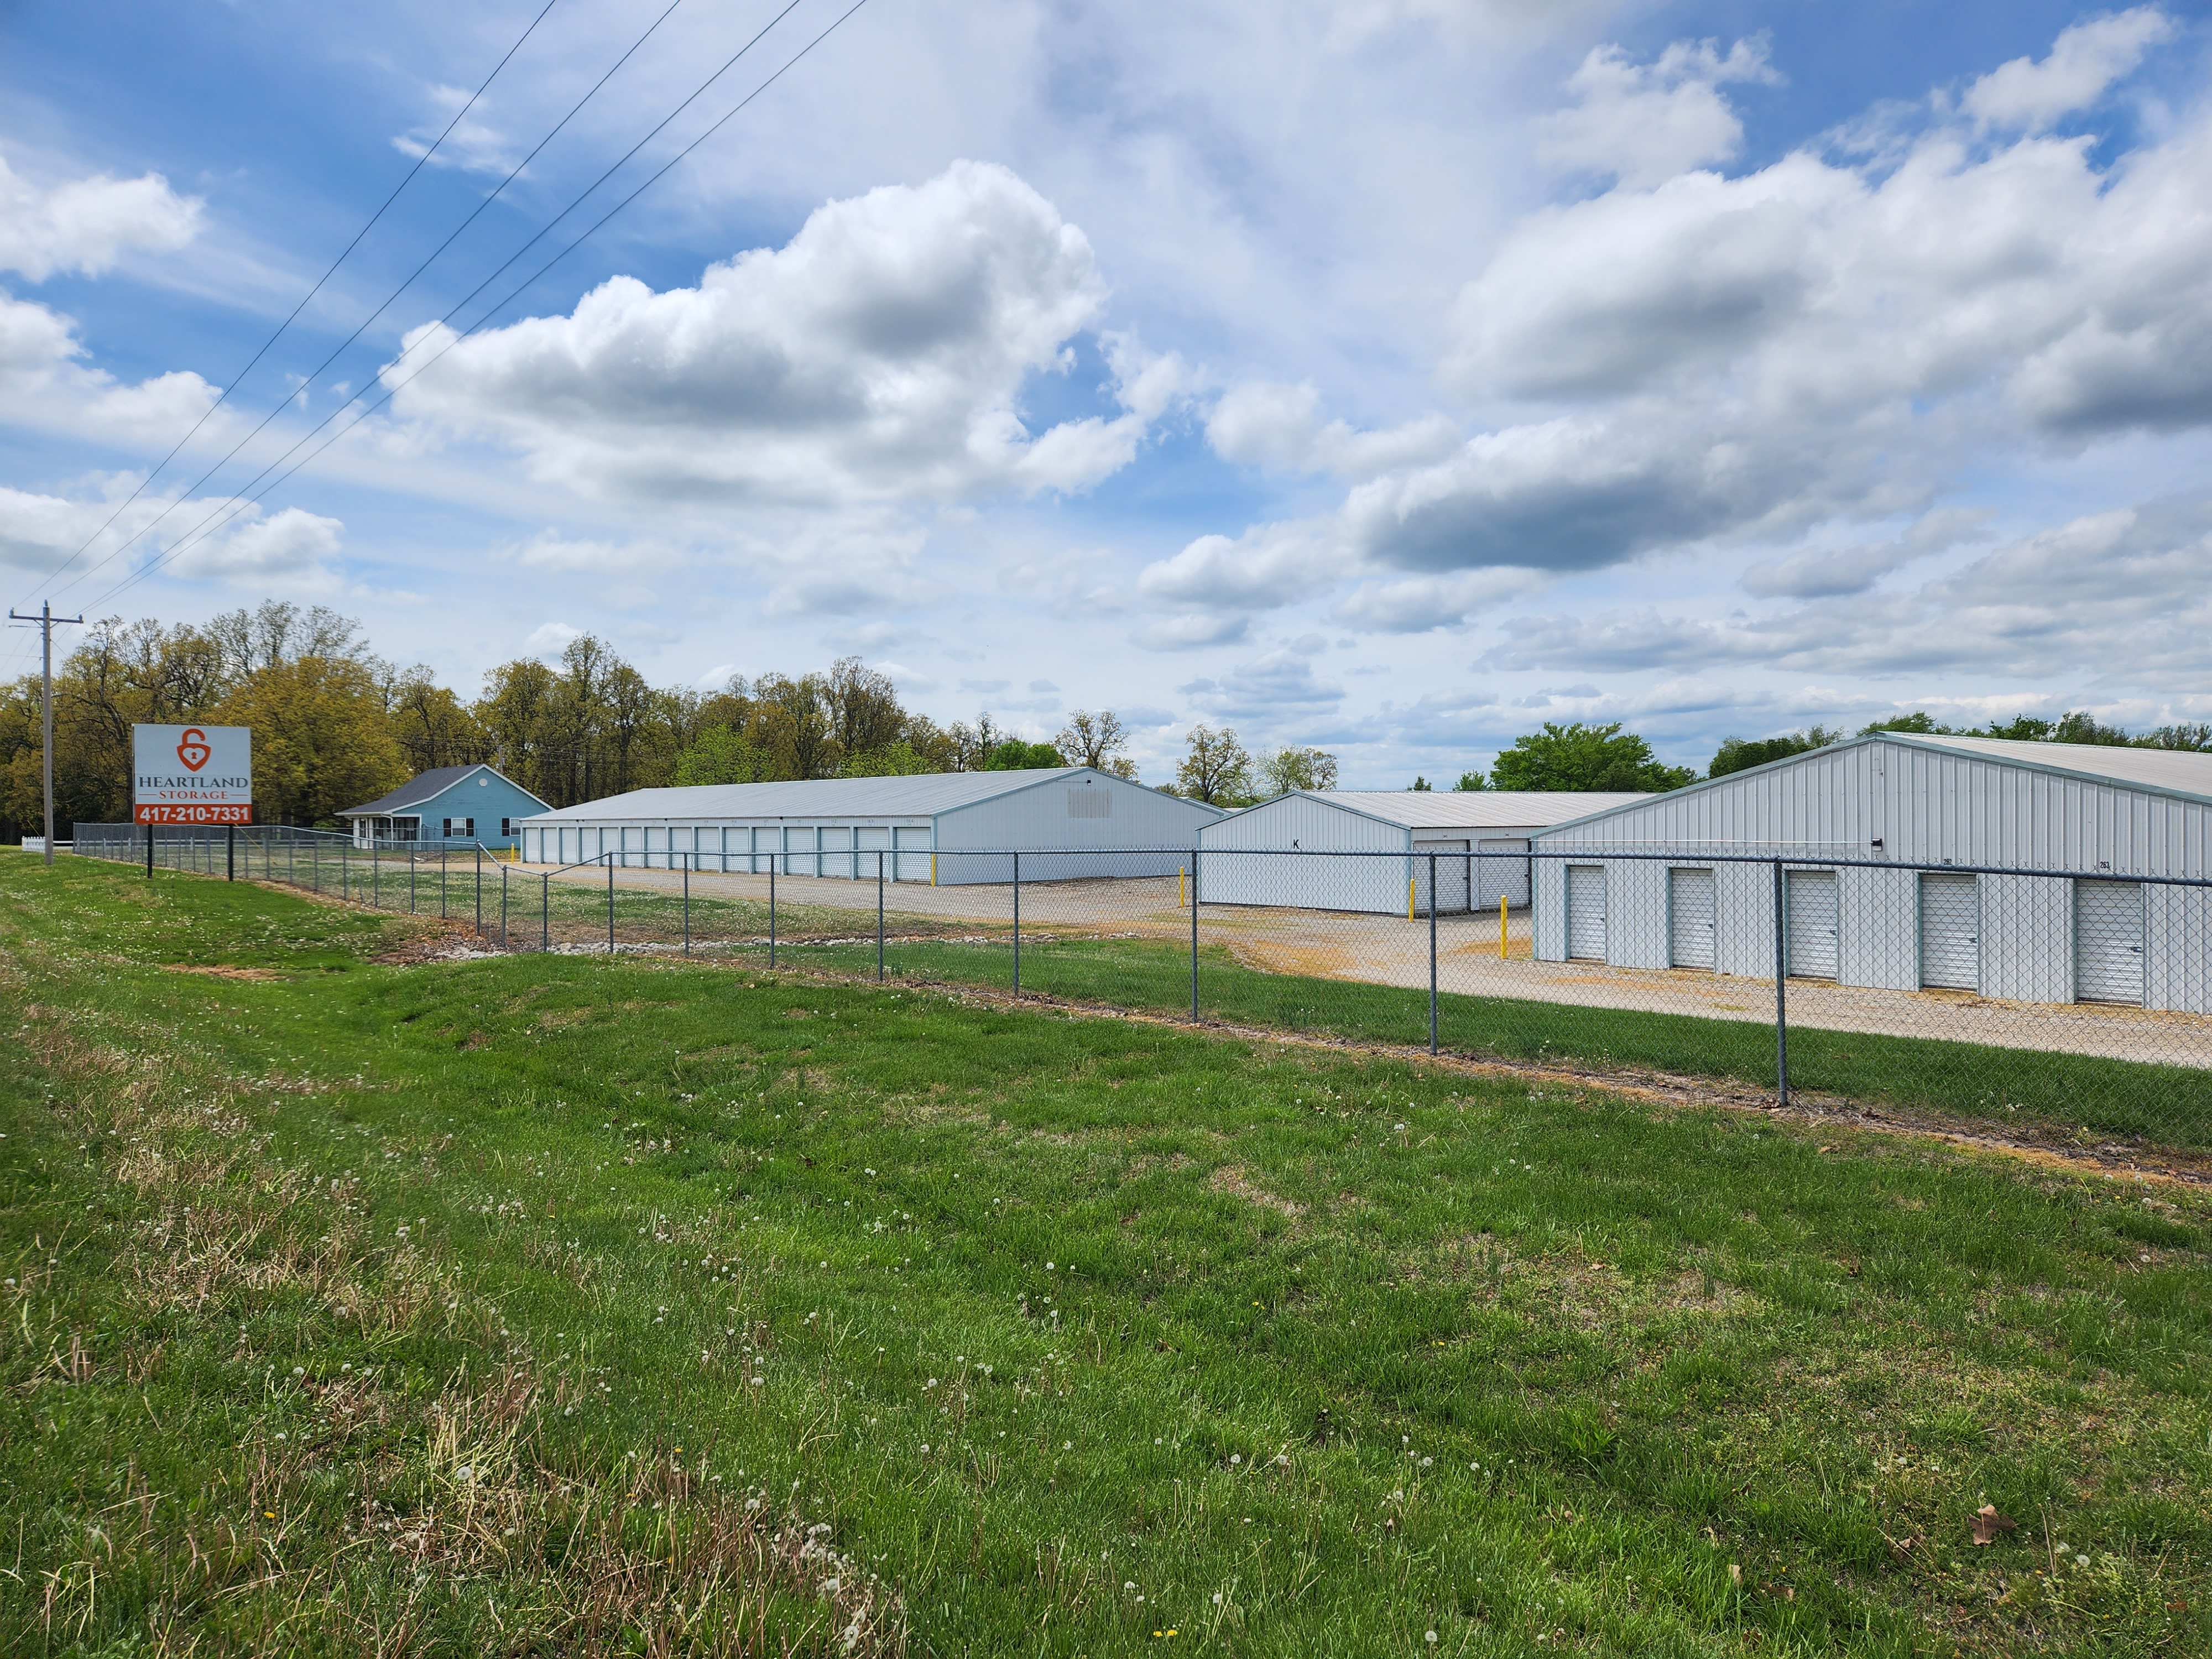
460	828
506	827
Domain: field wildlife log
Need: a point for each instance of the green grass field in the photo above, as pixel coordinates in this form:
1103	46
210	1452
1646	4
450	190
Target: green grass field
2059	1096
555	1304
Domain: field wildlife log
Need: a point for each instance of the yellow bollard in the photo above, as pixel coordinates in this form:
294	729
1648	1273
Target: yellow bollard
1501	927
933	869
1409	898
1181	900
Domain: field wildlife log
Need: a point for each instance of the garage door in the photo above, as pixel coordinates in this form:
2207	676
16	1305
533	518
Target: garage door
1812	914
1690	917
1950	933
1586	912
1496	879
913	860
1451	874
2108	942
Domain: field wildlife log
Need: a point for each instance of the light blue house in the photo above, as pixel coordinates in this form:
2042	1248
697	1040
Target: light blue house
451	803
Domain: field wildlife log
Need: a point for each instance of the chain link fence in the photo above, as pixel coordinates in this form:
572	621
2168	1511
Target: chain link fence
451	880
2069	1006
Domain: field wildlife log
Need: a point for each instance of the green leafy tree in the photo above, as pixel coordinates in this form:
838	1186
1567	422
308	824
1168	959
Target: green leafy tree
433	726
721	754
1214	768
1919	722
1579	757
1420	786
1741	755
1282	771
893	760
1013	754
1096	740
1469	782
2076	726
865	715
2196	735
322	741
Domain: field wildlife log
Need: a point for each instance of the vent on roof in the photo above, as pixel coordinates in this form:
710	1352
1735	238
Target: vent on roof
1090	804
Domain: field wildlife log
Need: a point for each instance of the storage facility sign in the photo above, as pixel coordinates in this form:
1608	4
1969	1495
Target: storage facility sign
192	774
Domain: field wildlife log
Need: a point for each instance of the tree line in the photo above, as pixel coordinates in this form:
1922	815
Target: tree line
2078	726
335	725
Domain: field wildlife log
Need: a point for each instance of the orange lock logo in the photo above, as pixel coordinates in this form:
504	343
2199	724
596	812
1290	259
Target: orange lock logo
192	749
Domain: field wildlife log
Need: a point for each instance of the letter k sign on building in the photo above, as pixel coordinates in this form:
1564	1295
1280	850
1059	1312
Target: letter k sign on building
192	773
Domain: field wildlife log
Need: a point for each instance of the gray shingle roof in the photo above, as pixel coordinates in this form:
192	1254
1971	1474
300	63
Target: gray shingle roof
425	787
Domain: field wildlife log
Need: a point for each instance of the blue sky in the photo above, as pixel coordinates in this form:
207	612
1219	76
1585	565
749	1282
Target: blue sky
1389	375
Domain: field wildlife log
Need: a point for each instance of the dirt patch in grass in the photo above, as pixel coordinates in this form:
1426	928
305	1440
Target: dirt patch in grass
428	938
1232	1180
220	972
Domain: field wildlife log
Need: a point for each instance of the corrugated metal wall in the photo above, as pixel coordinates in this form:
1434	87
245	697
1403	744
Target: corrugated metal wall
1925	806
1255	858
1067	814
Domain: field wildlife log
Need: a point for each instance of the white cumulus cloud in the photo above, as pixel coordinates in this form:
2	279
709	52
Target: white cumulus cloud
87	225
881	355
2084	62
1642	123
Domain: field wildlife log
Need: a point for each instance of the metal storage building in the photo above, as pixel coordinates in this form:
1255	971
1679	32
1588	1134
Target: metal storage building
1414	822
2106	818
934	825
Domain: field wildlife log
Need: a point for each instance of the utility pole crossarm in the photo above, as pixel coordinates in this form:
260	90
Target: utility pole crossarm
45	619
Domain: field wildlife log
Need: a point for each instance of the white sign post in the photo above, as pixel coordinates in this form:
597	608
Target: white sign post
192	774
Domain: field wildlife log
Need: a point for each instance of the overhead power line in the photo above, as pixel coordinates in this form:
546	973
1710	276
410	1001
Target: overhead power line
421	162
257	490
390	301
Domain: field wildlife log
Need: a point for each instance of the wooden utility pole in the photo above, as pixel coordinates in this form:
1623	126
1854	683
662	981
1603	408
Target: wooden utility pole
45	619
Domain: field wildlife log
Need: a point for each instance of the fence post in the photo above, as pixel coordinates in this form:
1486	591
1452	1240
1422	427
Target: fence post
412	860
444	852
544	907
291	862
230	852
1432	953
502	931
687	900
1780	973
1018	924
1194	935
345	872
772	858
610	906
375	877
149	851
879	918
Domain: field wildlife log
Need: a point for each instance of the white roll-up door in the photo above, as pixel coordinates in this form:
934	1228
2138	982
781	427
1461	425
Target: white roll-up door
1451	875
2108	942
1690	917
913	860
1950	931
872	839
1496	879
1586	912
1812	915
